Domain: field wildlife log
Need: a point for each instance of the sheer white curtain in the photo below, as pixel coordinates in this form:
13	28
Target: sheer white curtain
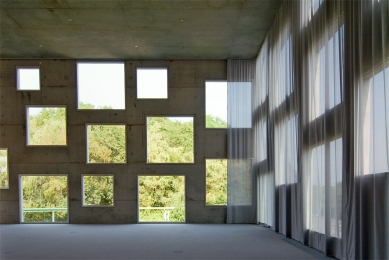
241	185
369	76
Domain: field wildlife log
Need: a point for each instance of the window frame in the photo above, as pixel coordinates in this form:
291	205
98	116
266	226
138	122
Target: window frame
106	124
101	62
152	68
21	197
170	163
28	128
7	167
138	198
21	67
83	191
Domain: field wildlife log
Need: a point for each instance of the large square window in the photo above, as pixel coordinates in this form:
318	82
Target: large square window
161	198
28	78
97	190
151	83
100	85
216	104
106	143
46	126
4	177
44	198
170	139
216	181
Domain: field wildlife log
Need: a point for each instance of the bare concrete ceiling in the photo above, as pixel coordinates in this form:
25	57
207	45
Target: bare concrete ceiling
134	29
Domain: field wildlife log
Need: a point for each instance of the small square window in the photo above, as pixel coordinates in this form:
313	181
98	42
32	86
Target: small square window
216	182
170	139
106	144
28	78
216	104
152	83
4	176
46	126
97	190
100	85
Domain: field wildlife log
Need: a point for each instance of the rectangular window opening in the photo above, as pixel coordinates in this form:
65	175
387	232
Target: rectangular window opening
216	182
106	143
44	198
46	126
4	175
152	83
170	139
97	190
161	198
28	78
216	104
101	85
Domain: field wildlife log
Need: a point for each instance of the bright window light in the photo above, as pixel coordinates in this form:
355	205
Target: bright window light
216	104
216	181
28	78
106	144
44	198
100	85
4	179
46	126
161	198
170	140
151	83
97	190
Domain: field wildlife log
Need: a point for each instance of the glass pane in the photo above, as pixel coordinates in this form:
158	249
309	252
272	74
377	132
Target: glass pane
216	181
44	199
106	143
336	188
216	104
28	79
98	190
170	140
4	169
318	189
46	126
161	198
100	86
152	83
239	105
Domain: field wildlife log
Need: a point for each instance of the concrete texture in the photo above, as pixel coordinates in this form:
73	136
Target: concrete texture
133	29
149	241
58	87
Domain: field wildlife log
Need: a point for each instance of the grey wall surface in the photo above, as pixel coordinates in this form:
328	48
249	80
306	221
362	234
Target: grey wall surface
58	87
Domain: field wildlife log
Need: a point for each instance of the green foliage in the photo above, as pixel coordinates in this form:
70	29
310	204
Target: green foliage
106	144
98	190
44	192
169	141
214	122
3	168
216	181
48	127
162	191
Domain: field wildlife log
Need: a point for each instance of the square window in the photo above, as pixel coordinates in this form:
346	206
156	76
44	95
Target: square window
100	85
161	198
170	139
4	176
152	83
44	198
216	104
46	126
28	78
97	190
216	181
106	144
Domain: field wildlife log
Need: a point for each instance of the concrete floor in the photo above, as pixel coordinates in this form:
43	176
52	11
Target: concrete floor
148	241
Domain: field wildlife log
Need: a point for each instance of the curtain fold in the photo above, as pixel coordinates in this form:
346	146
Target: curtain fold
241	184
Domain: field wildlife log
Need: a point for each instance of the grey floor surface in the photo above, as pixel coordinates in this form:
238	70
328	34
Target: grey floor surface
148	241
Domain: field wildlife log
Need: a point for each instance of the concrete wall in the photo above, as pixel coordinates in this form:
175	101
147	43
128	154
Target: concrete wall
58	87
